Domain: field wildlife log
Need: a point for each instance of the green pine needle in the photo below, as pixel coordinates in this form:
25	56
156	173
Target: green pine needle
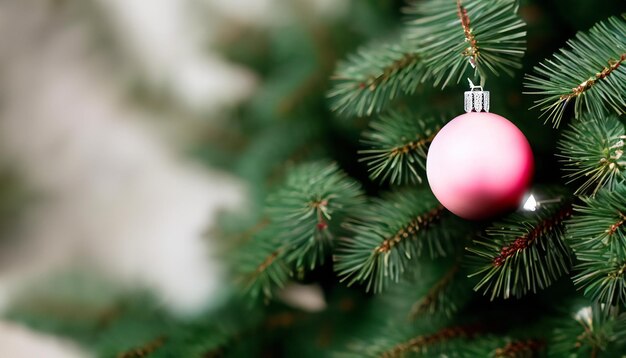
600	223
308	209
435	45
442	297
505	347
304	214
592	152
453	35
590	72
591	331
601	276
525	252
366	82
389	235
437	288
261	266
397	145
426	338
597	234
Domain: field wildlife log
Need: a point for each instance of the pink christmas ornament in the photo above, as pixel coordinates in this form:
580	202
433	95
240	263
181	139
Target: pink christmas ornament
479	164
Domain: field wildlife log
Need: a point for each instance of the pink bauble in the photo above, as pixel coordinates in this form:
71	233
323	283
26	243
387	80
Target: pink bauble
479	165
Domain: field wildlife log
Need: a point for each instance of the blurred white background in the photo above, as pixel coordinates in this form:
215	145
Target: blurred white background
114	193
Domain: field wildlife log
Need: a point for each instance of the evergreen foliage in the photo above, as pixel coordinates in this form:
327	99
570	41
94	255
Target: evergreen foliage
437	288
439	41
307	208
523	253
397	271
597	233
130	324
304	214
397	144
506	347
590	331
456	35
590	73
592	153
261	266
389	235
375	75
427	338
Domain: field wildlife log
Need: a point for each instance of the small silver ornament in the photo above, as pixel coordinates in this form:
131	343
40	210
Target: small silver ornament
476	100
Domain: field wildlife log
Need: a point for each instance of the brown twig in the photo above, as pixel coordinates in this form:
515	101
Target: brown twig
578	90
373	82
420	306
420	342
266	263
319	207
472	50
144	350
418	223
524	241
413	145
613	229
520	348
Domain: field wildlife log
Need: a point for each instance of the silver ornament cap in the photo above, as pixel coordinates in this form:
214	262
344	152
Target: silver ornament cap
476	100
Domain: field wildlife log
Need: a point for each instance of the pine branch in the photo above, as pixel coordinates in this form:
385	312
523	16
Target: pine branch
602	276
521	348
423	343
440	297
304	215
146	349
590	72
497	346
597	234
591	331
389	235
525	252
308	209
439	43
436	288
592	152
600	223
425	338
261	266
115	322
366	82
398	143
454	35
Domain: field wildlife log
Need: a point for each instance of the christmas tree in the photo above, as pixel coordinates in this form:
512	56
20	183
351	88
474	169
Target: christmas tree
334	146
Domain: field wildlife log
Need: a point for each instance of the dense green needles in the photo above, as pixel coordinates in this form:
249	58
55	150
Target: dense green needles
389	235
396	146
440	42
590	72
597	233
304	216
351	222
523	253
366	82
592	154
454	36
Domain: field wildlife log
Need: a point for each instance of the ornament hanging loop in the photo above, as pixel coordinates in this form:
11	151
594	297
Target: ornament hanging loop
476	100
